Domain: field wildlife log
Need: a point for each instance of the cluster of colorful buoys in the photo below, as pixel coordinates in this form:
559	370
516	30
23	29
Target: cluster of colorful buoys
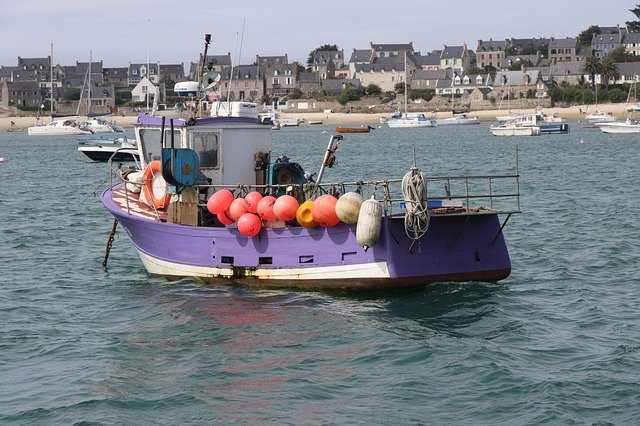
254	209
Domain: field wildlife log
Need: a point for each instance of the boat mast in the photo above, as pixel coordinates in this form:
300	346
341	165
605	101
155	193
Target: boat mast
89	86
51	81
406	115
148	62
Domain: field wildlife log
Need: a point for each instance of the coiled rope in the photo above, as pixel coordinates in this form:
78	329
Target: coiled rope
416	218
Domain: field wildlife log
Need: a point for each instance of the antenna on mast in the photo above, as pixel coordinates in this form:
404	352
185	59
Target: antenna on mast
201	65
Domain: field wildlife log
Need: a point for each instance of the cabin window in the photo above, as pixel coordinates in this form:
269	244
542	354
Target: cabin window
150	143
207	146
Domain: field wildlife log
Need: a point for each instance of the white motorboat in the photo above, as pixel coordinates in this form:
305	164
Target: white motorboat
627	126
102	149
97	125
57	127
514	128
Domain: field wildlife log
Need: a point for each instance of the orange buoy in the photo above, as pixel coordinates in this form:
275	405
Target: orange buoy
323	210
224	218
285	207
252	199
303	215
219	201
237	208
249	224
265	208
154	186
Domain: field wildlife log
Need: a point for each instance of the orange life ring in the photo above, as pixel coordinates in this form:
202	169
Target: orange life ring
154	186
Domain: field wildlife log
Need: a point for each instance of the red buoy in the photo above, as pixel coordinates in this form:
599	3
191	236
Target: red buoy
323	210
224	218
285	207
249	224
252	199
237	208
219	201
265	208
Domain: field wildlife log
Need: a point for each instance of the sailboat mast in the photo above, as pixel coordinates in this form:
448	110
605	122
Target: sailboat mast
51	80
405	85
89	85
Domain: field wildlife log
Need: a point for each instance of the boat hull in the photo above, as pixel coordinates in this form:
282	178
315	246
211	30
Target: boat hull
97	154
455	248
515	130
620	128
554	128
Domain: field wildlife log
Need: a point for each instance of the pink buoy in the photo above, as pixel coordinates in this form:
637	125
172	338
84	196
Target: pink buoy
252	199
285	207
249	224
219	201
237	208
265	208
224	218
323	210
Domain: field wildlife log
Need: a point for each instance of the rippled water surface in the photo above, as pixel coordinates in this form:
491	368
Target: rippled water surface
557	342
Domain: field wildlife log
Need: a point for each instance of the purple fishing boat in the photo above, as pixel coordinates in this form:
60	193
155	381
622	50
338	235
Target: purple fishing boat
209	202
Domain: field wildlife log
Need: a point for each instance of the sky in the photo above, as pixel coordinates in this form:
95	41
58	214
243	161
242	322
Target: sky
172	32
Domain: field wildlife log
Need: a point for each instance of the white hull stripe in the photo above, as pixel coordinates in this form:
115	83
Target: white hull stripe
365	270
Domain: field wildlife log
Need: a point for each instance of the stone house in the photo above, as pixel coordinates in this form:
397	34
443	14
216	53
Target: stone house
242	82
609	39
173	71
213	62
490	53
327	62
428	79
308	82
562	49
333	87
21	93
569	72
118	77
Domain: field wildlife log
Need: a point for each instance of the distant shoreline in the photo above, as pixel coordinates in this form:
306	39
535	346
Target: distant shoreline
571	113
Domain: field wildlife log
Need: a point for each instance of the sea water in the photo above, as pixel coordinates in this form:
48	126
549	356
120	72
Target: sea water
557	342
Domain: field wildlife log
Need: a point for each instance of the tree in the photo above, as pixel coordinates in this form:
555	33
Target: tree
71	94
634	26
620	54
608	70
295	94
323	48
585	37
373	89
592	67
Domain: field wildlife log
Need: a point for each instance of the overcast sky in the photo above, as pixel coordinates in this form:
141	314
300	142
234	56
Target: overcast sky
122	31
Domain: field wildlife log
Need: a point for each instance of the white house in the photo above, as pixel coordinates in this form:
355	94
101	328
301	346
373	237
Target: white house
139	92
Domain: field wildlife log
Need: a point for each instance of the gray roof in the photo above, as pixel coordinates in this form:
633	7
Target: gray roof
6	71
567	68
630	38
513	59
432	58
380	66
628	68
491	45
563	43
241	72
523	43
378	47
271	61
172	69
360	55
324	56
515	78
431	74
308	77
337	84
34	63
450	52
606	38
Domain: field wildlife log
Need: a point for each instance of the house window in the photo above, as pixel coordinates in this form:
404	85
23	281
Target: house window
289	81
134	72
276	81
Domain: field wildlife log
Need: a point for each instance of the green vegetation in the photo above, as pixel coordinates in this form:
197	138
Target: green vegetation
71	94
634	26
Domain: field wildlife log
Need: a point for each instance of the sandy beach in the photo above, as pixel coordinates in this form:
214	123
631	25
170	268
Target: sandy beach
570	113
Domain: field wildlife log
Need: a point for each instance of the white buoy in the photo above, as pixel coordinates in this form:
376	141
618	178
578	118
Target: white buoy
348	207
369	223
